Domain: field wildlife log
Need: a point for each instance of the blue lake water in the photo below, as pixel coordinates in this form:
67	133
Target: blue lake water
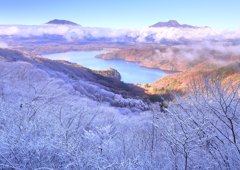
130	72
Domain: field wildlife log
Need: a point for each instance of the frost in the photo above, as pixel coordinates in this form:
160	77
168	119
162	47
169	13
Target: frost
50	122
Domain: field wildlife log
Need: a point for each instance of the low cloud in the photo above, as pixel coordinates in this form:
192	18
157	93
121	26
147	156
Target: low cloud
139	35
3	44
206	51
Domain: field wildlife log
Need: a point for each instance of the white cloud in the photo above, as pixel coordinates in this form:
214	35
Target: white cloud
217	53
157	34
3	44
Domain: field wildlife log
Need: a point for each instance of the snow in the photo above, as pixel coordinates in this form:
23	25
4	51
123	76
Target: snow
50	122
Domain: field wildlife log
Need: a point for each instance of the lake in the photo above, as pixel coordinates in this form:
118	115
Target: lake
130	72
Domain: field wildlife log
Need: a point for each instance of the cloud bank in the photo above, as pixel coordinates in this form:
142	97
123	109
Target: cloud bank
139	35
3	44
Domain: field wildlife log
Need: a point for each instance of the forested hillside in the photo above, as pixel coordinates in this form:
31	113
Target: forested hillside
189	61
54	115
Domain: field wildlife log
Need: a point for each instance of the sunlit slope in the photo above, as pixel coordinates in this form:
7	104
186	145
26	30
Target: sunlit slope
191	62
177	58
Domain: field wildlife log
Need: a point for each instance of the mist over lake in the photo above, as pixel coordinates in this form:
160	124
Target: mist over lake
130	72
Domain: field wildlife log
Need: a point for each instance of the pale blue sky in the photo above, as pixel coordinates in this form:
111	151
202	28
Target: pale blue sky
218	14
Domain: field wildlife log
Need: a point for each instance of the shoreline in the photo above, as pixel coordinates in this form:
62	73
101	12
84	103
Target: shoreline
149	76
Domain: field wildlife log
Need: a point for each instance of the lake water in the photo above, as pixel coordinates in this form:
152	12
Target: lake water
130	72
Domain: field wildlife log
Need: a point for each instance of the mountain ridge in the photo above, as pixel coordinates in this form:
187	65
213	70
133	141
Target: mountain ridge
61	22
173	23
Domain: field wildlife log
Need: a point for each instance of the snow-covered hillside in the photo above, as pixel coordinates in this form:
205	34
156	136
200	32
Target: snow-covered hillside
56	116
77	79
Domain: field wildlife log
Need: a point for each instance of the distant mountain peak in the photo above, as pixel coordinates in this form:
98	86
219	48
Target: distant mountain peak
62	22
172	23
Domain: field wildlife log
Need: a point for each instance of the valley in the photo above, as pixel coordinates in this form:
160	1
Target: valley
187	62
130	72
58	113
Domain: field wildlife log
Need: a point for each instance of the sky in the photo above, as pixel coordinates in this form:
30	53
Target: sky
117	14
